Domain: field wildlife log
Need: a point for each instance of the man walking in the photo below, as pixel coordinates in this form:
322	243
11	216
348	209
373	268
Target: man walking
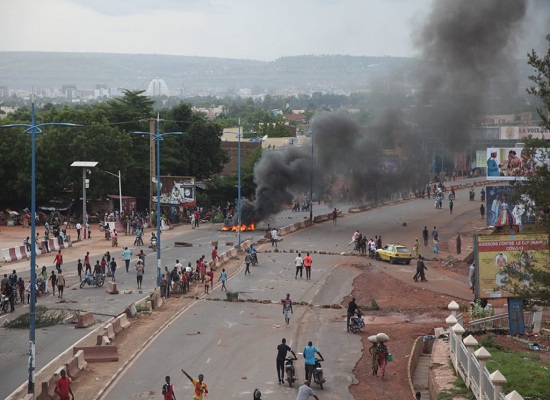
168	390
307	264
127	256
287	308
435	234
223	278
299	262
309	356
451	204
334	215
282	351
78	229
420	267
87	263
63	386
247	261
482	211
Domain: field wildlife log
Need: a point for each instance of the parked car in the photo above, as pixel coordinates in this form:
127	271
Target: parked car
394	253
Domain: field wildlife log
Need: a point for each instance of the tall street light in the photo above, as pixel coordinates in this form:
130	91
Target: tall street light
85	183
311	182
33	129
158	137
119	189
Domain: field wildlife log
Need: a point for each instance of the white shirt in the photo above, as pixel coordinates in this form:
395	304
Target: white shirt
274	233
304	392
299	261
78	226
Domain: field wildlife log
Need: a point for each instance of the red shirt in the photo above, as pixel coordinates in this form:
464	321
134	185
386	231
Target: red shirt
59	258
214	255
307	261
62	386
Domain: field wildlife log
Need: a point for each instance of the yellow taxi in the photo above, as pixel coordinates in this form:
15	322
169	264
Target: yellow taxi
394	253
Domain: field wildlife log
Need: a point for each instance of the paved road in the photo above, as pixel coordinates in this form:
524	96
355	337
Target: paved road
236	348
386	221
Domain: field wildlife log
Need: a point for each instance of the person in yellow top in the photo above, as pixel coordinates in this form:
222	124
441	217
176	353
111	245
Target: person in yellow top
200	386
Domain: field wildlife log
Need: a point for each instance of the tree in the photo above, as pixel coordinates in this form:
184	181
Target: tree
536	189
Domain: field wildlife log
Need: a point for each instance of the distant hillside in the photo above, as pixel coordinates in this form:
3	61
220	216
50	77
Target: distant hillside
22	70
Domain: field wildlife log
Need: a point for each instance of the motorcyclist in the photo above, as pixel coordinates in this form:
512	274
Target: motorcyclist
97	273
153	240
352	309
254	254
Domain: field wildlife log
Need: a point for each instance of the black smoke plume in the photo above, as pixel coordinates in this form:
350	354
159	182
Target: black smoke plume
468	46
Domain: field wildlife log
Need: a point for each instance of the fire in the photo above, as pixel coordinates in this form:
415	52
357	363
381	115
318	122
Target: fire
244	227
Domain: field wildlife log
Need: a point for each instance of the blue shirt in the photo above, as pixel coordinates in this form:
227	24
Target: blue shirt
309	354
223	276
127	254
492	167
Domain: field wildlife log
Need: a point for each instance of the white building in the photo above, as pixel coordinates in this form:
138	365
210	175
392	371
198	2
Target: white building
157	87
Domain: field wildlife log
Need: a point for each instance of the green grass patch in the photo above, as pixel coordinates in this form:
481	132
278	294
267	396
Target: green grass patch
459	389
141	308
525	372
43	318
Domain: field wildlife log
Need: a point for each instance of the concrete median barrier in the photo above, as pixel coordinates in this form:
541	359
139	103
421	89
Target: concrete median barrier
85	320
76	364
48	389
95	354
103	340
123	320
109	331
112	288
116	326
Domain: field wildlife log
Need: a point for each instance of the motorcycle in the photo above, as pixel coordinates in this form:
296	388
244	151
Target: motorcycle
4	303
356	323
254	257
290	370
90	280
318	374
154	243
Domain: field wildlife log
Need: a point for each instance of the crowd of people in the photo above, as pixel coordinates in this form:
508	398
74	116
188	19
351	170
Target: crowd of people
364	245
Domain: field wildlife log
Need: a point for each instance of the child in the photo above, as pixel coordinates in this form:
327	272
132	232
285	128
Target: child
436	246
207	281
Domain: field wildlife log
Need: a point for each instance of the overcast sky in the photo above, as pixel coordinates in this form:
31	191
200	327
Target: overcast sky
250	29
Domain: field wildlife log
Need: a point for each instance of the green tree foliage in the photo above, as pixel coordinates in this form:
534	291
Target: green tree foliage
530	282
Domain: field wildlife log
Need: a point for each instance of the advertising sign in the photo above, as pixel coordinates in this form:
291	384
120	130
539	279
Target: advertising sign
176	191
494	252
509	163
502	212
522	132
481	159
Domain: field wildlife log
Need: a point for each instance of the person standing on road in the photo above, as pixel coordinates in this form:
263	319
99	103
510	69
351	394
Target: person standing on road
247	261
451	204
63	386
141	256
436	246
79	269
274	238
305	392
215	254
374	358
382	355
287	308
87	263
58	261
223	278
60	284
472	277
199	385
435	234
425	235
309	356
299	262
168	390
282	351
47	241
482	211
139	273
78	229
458	244
53	282
307	264
416	247
113	266
334	215
127	256
352	309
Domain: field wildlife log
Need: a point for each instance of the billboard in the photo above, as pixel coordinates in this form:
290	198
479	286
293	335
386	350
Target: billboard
502	212
522	132
494	252
481	159
176	191
510	163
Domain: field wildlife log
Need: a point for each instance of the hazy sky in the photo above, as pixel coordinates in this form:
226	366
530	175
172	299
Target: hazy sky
251	29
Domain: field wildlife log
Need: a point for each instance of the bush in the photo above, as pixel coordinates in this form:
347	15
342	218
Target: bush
477	311
43	318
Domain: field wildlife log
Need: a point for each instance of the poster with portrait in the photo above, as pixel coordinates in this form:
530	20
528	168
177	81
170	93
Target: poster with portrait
513	163
503	210
176	191
494	252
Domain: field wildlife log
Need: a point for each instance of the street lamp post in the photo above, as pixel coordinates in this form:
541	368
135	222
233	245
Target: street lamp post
119	189
158	137
84	165
33	129
311	182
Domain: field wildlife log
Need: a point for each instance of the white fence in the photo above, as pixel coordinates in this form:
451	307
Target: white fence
470	364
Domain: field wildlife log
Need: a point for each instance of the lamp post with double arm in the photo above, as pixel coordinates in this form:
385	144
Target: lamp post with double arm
158	137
